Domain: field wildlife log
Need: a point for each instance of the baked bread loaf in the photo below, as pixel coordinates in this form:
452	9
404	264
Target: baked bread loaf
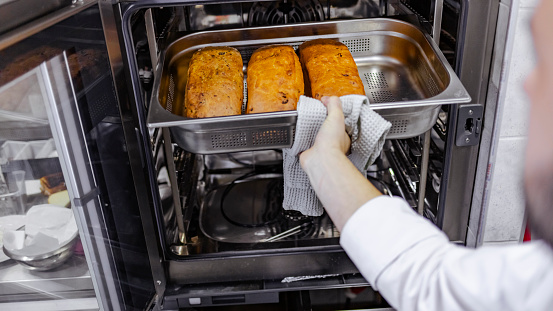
275	79
330	68
215	85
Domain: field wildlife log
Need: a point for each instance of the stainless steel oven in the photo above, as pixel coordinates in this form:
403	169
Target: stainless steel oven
210	206
195	219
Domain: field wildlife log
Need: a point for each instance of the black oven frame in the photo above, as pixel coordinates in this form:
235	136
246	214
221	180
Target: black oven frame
460	221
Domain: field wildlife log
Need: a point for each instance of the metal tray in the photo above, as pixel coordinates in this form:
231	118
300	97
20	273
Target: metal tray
405	75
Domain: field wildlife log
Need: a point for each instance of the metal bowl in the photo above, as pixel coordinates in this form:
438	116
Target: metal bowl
45	261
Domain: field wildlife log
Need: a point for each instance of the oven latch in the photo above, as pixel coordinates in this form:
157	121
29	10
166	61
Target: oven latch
469	125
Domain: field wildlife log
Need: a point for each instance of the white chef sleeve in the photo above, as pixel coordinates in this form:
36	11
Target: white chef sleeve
415	267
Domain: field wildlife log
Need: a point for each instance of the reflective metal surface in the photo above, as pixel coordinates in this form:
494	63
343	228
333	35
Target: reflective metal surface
437	25
46	261
481	16
16	12
404	75
257	289
33	27
275	264
457	188
250	211
356	9
286	12
240	247
71	280
424	172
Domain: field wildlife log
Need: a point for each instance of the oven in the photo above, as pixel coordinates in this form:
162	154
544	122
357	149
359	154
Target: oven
215	231
189	214
209	193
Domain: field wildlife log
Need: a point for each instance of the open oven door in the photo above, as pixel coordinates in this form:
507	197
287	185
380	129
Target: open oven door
57	92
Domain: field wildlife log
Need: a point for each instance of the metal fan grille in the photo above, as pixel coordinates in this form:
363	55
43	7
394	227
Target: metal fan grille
285	12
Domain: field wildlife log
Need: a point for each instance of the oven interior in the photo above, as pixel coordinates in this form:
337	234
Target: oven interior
228	205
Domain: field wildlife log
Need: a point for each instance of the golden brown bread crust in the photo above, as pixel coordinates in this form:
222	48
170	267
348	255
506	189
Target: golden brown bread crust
330	68
275	79
215	85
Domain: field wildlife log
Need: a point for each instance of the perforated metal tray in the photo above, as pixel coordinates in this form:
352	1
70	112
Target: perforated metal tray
405	75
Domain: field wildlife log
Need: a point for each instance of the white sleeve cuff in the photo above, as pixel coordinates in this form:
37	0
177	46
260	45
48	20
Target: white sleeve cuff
381	230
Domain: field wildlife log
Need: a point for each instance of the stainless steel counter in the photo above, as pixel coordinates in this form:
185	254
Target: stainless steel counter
68	282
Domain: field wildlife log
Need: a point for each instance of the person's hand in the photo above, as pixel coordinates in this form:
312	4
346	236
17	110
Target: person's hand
332	138
340	187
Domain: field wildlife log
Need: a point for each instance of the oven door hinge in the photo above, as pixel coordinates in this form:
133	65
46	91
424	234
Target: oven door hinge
469	125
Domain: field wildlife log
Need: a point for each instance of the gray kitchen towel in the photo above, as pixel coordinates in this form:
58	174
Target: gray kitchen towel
366	128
